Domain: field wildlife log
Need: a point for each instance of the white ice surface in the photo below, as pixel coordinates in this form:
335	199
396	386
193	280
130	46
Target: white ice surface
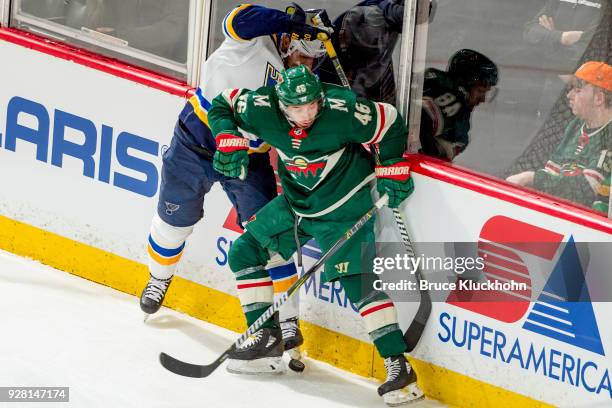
60	330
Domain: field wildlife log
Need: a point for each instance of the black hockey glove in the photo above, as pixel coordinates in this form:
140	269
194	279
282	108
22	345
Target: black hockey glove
302	26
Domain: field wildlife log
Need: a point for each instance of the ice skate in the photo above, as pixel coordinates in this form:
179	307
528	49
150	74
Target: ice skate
262	353
153	295
401	386
292	337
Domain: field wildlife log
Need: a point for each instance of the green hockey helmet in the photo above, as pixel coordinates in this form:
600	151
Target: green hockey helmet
298	86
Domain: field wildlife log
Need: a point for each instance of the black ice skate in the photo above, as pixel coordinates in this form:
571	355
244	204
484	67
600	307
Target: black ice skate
262	353
400	387
292	337
153	295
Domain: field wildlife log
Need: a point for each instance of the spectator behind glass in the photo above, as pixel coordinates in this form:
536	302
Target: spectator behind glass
559	35
579	169
562	30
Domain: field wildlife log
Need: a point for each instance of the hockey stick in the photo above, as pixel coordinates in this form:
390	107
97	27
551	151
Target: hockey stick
415	331
200	371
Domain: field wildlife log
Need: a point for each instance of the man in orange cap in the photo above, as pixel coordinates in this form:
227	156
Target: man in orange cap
579	169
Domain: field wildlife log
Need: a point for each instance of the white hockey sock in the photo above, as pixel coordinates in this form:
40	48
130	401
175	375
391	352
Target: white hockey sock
284	274
165	247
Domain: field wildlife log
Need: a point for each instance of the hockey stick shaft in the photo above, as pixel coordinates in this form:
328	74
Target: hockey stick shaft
414	332
200	371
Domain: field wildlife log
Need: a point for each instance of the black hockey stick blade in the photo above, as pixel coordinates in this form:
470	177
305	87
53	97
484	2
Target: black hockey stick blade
415	331
200	371
192	370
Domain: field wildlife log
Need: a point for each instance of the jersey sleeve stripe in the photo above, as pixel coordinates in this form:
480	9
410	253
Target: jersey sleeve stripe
552	167
230	95
593	182
228	27
385	117
200	106
435	114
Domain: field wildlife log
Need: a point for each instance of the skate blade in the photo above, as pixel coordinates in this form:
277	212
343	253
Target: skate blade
407	395
146	317
260	366
294	354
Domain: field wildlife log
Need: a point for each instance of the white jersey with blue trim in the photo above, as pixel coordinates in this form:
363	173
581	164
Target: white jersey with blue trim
238	63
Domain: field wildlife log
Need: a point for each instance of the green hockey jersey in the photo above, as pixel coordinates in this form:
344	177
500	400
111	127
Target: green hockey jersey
324	166
580	167
445	118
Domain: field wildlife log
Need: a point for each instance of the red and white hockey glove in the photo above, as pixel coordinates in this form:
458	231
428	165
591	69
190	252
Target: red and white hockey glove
393	178
231	158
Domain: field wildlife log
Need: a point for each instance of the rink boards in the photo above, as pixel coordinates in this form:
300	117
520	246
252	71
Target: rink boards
80	158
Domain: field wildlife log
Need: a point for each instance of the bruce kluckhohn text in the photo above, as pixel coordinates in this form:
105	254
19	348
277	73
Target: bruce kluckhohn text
456	265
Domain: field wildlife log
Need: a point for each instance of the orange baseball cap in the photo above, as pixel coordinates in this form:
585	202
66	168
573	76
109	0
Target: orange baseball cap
596	73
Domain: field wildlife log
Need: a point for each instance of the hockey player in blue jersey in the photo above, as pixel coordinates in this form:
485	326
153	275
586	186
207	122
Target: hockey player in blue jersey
259	43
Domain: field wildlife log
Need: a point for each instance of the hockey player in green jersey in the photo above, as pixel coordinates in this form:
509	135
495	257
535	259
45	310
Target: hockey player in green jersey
449	97
325	173
579	169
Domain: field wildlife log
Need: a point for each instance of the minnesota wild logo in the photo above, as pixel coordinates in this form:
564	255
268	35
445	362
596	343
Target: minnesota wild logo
305	172
309	172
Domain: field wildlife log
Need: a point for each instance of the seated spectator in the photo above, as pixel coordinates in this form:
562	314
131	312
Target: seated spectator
562	30
449	97
558	36
580	166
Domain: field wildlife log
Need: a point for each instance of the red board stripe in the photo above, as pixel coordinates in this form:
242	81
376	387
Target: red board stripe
492	187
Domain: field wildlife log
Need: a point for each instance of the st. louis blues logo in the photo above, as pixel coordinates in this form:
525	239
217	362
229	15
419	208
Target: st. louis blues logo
272	76
171	208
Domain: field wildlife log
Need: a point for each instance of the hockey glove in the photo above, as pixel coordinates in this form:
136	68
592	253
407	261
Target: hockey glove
300	29
393	178
231	158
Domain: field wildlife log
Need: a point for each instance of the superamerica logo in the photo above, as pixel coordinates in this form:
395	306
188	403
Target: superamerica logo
570	348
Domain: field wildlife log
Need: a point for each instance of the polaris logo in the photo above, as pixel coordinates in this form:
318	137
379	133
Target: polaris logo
103	155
